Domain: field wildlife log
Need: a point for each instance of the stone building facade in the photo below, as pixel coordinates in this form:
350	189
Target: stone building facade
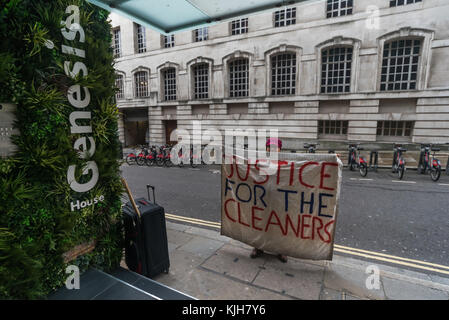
334	71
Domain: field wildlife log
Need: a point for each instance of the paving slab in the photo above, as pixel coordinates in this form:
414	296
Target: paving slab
403	290
384	269
235	262
176	226
207	285
206	267
330	294
172	247
294	278
211	234
182	261
178	237
351	297
202	247
352	281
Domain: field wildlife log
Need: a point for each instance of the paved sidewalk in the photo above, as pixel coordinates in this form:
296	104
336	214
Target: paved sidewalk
209	266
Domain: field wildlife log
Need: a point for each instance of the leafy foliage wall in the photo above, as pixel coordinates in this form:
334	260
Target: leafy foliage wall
36	222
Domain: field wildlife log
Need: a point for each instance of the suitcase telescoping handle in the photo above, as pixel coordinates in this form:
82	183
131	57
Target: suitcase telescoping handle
148	190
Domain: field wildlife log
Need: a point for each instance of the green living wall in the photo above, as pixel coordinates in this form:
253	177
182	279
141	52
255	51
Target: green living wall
38	223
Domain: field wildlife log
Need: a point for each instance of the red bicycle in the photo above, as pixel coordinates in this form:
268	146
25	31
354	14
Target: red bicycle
355	160
134	158
150	159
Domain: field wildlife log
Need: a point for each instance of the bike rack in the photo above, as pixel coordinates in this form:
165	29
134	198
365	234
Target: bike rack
374	160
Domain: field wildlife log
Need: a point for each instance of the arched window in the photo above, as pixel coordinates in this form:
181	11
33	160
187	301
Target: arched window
336	69
404	59
239	78
400	64
141	84
283	74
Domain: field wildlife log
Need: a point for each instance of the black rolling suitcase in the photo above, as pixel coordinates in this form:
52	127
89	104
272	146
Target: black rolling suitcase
146	247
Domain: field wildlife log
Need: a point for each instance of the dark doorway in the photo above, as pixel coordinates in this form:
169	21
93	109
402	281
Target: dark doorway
170	126
136	127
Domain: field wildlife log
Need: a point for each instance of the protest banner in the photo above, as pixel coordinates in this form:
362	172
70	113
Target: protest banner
291	210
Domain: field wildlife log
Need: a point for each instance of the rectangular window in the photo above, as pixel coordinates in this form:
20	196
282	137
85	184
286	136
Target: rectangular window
169	84
141	42
141	84
400	65
335	127
201	81
283	74
395	3
337	8
239	26
169	41
285	17
395	128
238	78
117	43
336	70
119	84
201	34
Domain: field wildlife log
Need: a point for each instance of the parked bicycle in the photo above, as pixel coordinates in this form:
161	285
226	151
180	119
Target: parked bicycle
429	163
141	157
398	161
137	158
447	165
161	156
311	147
150	159
167	156
424	159
192	158
355	160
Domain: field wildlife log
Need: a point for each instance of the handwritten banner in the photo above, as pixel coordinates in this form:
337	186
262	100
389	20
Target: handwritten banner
291	210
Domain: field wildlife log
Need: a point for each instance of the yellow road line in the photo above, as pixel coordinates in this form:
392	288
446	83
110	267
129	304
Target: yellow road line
392	257
391	261
338	248
193	219
189	221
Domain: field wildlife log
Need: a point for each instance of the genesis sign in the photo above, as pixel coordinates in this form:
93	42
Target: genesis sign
79	98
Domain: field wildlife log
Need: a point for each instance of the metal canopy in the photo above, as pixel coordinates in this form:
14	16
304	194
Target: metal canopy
170	16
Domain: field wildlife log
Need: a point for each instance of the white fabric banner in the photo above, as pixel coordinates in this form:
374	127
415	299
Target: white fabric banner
291	211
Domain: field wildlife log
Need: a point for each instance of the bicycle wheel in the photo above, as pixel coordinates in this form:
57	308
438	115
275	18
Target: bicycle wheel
168	163
140	161
435	174
401	171
130	160
159	162
149	162
363	170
